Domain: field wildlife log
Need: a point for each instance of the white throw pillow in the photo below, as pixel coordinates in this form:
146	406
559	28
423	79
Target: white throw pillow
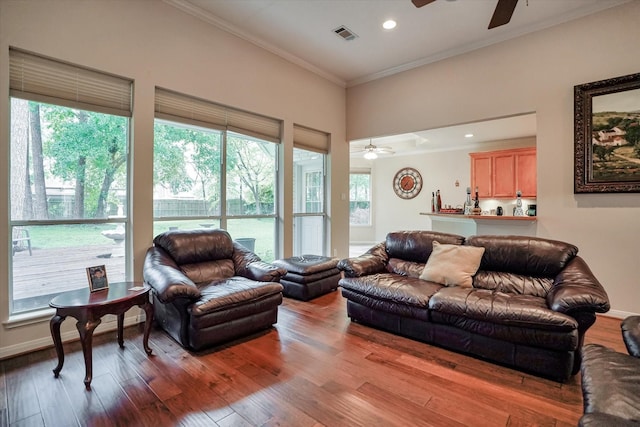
452	265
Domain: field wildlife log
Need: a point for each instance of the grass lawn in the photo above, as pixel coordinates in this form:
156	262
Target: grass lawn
59	236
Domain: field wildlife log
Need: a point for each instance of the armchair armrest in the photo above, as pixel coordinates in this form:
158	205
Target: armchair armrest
575	288
631	334
162	273
373	261
263	272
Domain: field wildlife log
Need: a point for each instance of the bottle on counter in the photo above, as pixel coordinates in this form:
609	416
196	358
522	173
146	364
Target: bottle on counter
476	205
438	201
518	211
433	201
467	204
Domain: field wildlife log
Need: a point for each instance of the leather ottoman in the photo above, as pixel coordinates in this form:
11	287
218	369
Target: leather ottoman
308	276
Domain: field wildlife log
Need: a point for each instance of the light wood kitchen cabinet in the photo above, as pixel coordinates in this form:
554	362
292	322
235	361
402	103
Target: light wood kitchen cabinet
526	174
499	174
481	167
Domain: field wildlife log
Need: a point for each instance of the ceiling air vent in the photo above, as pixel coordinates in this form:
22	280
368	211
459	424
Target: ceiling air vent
345	33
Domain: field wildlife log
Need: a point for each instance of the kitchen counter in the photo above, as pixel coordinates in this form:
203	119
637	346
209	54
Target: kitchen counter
469	225
481	217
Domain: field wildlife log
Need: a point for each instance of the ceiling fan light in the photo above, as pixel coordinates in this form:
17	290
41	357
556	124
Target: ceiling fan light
370	155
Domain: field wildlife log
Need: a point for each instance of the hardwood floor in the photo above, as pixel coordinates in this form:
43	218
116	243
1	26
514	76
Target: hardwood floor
314	368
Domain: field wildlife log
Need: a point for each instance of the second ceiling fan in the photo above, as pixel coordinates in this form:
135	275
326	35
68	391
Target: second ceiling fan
501	15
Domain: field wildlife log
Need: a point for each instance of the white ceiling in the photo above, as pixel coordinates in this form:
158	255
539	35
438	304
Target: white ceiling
301	31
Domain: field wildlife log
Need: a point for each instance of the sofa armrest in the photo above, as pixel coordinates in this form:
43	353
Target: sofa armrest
263	272
631	334
373	261
162	273
575	288
604	420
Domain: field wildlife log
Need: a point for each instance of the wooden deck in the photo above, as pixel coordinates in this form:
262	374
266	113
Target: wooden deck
49	271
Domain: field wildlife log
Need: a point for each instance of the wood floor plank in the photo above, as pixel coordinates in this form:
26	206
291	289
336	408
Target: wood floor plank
403	410
314	368
115	401
86	405
187	408
4	409
25	408
55	405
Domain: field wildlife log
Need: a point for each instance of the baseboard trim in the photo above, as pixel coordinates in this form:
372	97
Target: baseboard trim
46	342
618	314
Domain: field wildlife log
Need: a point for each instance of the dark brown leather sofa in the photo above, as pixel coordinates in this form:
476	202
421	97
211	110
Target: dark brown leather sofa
611	381
208	289
528	306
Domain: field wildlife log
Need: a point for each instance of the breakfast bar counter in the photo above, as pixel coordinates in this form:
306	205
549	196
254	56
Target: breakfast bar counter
469	225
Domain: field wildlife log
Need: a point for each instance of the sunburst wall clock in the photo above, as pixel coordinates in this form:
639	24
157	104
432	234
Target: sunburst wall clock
407	183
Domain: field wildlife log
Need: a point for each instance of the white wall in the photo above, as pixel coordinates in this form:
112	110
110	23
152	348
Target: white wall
158	45
533	73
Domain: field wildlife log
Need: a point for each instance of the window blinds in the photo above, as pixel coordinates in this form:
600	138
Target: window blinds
41	79
186	109
310	139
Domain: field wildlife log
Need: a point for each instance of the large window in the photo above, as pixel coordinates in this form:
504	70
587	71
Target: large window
308	199
215	167
68	190
309	212
360	198
187	176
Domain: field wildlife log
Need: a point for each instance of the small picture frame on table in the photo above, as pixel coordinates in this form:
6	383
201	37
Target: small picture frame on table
97	277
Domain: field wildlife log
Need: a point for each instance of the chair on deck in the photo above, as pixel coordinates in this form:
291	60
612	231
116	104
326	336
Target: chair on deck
21	239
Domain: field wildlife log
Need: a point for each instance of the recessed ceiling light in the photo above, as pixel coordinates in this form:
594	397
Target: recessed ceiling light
468	135
389	25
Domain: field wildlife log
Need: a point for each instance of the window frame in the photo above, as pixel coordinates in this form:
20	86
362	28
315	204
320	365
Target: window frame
75	88
370	199
301	211
184	110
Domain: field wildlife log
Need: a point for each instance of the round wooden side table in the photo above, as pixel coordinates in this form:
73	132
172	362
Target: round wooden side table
89	307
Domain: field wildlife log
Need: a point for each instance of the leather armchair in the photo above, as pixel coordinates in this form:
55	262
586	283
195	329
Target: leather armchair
208	289
610	385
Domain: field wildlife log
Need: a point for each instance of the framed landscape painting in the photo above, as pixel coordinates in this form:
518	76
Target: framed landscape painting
607	136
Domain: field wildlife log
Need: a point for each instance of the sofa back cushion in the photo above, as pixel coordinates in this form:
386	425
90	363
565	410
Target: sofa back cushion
520	264
205	272
416	246
512	283
405	268
196	246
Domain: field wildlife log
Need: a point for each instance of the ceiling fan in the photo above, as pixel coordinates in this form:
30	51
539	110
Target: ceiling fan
501	15
371	151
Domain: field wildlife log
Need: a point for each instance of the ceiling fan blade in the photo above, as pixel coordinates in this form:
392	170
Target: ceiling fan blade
420	3
502	14
384	150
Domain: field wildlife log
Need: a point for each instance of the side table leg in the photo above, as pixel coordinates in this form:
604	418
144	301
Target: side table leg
148	309
121	330
86	338
54	325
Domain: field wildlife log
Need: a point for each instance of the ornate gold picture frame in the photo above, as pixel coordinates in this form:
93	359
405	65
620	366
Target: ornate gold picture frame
607	136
